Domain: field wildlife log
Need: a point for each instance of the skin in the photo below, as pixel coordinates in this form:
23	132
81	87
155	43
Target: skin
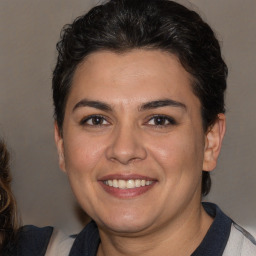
148	123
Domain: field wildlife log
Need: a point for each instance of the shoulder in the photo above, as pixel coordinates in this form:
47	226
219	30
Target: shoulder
32	240
85	242
240	242
60	244
30	230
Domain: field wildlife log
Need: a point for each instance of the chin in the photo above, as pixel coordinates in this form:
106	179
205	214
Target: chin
126	223
126	227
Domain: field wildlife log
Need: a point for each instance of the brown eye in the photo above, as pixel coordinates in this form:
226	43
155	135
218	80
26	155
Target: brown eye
95	120
161	120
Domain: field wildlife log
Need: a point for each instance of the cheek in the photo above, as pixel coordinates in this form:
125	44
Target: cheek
181	154
82	154
83	157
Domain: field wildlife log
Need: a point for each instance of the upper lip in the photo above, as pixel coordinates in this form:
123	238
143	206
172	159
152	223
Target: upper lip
126	177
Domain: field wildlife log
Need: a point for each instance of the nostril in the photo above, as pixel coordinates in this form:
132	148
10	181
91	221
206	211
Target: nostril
125	158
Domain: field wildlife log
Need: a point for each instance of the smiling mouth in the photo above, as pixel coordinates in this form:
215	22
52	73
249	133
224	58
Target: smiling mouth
127	184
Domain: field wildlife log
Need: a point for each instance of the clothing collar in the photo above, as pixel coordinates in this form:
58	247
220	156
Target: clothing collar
217	236
213	244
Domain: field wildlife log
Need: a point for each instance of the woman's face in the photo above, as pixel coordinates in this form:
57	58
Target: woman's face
133	145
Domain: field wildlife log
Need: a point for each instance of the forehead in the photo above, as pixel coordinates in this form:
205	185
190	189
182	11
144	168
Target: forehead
131	76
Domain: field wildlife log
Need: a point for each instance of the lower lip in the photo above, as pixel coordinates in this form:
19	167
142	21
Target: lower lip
126	193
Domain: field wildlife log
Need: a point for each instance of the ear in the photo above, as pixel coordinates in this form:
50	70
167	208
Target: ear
60	147
213	142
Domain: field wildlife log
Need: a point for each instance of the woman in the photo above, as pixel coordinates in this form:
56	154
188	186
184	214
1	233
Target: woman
138	92
8	214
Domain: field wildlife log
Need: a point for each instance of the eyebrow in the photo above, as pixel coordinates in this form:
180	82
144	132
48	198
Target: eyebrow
162	103
146	106
93	104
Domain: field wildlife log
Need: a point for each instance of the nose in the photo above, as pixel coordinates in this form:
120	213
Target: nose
126	145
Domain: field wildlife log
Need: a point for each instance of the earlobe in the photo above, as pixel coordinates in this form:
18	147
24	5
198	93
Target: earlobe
60	147
213	142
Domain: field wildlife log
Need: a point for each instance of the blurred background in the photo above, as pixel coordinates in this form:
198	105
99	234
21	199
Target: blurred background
29	30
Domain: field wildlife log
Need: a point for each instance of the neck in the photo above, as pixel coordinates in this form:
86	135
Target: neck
180	237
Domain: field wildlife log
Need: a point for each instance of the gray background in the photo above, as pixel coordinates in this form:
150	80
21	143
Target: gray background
29	30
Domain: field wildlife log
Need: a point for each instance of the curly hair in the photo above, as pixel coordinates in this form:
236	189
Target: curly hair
8	214
123	25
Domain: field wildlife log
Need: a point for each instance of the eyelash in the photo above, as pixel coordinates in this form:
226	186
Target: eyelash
170	120
85	121
102	119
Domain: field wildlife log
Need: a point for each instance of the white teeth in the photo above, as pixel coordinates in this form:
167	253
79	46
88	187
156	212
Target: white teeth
115	184
124	184
130	184
137	183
